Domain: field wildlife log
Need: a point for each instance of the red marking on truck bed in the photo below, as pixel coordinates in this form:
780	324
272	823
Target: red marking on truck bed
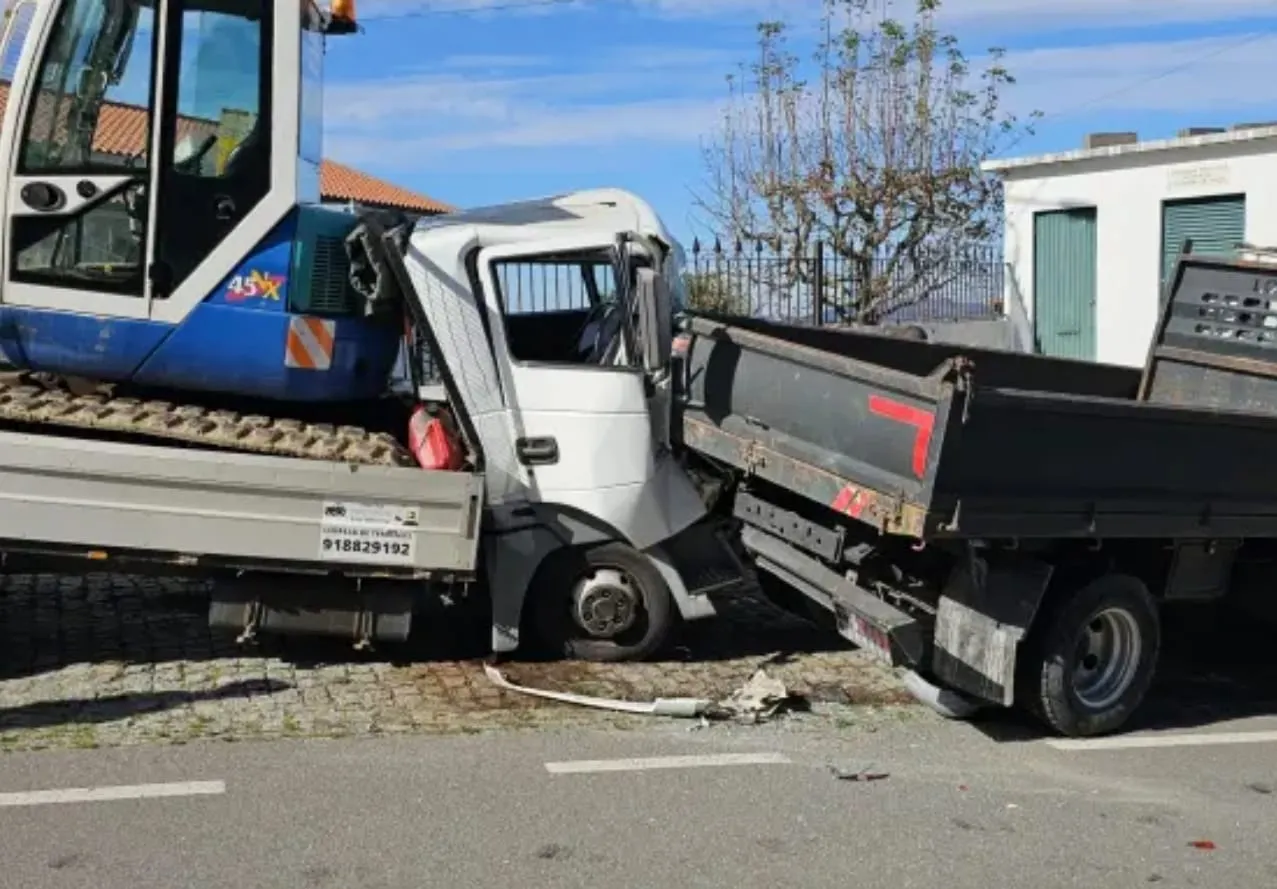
922	421
851	501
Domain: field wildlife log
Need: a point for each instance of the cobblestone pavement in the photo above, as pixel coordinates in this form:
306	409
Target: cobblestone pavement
105	660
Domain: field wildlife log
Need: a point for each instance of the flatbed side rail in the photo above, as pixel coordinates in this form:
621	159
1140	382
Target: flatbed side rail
64	494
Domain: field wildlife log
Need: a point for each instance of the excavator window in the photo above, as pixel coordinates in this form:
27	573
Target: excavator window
95	71
89	117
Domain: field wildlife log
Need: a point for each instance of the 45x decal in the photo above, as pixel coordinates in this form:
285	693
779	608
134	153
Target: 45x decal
254	285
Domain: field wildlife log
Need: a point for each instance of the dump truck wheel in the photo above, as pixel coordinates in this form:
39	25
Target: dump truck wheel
1094	657
601	603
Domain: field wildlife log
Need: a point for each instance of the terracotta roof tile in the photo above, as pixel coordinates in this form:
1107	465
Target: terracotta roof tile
340	182
122	131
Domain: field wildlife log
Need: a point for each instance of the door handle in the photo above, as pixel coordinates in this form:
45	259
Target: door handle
43	197
541	451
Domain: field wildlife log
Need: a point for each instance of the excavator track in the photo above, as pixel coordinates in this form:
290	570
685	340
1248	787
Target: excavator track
33	404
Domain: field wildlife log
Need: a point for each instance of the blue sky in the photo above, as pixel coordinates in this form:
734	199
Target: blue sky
474	105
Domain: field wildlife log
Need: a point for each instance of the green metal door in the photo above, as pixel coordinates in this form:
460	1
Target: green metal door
1214	224
1064	273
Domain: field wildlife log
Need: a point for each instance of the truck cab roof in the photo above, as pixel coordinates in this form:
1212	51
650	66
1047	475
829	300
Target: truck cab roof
579	212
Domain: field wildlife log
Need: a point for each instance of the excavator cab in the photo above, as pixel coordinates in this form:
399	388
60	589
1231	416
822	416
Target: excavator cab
159	179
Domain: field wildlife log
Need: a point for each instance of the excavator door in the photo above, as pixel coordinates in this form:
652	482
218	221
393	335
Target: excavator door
147	147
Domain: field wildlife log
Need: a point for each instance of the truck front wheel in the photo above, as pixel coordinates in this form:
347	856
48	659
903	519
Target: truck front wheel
1094	657
601	603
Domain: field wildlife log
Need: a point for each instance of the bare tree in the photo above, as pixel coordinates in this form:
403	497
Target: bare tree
878	158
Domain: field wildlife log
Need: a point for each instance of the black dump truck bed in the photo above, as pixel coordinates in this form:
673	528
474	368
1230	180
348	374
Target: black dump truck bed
933	440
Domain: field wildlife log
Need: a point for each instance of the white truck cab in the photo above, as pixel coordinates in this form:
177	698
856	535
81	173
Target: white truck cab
554	317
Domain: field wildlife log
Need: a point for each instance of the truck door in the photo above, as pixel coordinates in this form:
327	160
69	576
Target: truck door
561	324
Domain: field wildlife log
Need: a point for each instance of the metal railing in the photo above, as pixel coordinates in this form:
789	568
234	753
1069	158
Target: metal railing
820	286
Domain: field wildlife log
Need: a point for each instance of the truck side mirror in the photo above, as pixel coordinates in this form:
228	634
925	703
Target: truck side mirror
655	320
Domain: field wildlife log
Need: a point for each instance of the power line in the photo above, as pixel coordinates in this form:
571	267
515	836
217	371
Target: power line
1152	78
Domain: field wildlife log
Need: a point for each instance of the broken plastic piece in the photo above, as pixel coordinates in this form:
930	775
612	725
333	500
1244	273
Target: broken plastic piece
760	698
1204	845
865	773
684	708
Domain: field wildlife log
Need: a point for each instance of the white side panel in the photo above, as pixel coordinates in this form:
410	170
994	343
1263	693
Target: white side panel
83	302
107	495
458	326
607	466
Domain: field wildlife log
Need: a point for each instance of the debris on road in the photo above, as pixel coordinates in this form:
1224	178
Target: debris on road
1260	787
1204	845
686	708
761	698
866	773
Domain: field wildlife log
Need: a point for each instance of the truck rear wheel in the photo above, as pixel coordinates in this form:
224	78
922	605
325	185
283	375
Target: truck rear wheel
601	603
1094	658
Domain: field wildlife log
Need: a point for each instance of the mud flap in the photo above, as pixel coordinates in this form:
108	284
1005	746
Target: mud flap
984	613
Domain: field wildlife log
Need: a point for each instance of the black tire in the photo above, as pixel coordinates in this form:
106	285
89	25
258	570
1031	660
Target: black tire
1057	684
560	634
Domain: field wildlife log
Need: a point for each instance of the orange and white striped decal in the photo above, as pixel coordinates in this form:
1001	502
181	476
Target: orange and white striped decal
310	343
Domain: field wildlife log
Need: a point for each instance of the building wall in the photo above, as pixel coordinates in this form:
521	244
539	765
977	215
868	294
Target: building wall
1127	192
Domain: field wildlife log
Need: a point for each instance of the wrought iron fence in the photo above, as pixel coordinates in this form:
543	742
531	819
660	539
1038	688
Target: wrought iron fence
819	286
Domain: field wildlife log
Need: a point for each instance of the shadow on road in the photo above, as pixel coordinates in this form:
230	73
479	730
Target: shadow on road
49	621
83	711
1218	663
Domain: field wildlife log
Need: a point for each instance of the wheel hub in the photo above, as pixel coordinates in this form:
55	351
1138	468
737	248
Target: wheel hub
605	604
1106	658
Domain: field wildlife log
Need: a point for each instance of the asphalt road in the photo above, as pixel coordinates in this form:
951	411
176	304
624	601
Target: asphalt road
957	809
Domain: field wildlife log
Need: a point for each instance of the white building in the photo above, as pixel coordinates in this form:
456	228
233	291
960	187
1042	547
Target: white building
1089	234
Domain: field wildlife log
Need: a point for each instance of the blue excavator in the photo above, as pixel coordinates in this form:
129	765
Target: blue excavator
168	269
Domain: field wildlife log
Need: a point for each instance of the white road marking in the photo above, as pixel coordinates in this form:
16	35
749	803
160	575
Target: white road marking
118	792
582	766
1140	742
